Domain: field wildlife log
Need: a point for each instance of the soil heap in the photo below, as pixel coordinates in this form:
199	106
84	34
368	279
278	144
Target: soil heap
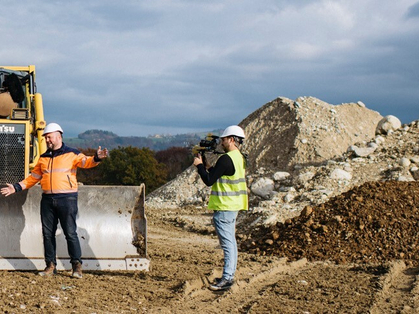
374	223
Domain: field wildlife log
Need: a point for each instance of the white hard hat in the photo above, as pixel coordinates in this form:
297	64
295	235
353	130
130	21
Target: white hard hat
233	130
52	127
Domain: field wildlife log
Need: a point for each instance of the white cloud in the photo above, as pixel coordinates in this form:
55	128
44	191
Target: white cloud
143	66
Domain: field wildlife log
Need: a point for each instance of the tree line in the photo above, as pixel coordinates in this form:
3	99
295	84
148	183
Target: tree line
133	166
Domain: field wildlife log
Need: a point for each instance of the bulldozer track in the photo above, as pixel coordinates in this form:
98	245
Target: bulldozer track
242	294
399	292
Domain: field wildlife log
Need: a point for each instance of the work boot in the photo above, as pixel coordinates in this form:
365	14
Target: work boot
77	273
50	270
223	284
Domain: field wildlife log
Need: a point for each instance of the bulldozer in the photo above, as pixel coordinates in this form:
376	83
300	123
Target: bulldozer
112	226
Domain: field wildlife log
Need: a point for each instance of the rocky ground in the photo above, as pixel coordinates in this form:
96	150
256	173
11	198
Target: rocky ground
183	262
338	235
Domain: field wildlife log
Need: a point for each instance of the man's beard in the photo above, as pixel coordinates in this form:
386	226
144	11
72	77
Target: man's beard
51	146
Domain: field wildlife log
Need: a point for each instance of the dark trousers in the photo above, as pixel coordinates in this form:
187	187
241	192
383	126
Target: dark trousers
64	210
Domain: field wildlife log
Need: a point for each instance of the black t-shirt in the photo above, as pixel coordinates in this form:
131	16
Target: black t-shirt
223	167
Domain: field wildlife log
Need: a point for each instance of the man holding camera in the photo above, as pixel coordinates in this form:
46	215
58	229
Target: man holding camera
228	196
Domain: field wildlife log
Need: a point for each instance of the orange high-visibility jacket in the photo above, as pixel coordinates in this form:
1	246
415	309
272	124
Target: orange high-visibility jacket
57	171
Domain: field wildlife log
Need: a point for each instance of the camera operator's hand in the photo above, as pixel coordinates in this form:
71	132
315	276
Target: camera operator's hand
197	160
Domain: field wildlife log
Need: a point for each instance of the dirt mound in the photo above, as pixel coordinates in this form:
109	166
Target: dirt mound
375	222
284	133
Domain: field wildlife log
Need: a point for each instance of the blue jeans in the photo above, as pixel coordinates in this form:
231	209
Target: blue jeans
64	210
225	226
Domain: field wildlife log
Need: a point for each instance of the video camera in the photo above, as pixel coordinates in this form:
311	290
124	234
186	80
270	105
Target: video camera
209	144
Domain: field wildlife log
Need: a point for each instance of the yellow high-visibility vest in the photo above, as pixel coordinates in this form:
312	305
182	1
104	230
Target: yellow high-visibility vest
230	192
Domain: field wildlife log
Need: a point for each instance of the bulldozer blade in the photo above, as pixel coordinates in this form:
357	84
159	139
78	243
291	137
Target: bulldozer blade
111	226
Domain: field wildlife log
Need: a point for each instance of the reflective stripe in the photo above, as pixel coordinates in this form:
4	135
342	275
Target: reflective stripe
62	170
232	193
230	181
36	176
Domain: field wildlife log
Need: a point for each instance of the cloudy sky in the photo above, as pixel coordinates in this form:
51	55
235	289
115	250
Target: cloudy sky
144	67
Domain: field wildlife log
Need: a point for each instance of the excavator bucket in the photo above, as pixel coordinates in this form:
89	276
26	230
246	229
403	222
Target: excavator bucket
112	229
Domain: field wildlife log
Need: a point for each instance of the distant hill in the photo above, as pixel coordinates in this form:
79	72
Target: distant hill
110	140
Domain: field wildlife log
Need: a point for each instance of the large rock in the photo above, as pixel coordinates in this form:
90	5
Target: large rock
339	174
387	124
263	187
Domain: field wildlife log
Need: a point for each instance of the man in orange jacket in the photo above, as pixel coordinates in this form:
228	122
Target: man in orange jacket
56	170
